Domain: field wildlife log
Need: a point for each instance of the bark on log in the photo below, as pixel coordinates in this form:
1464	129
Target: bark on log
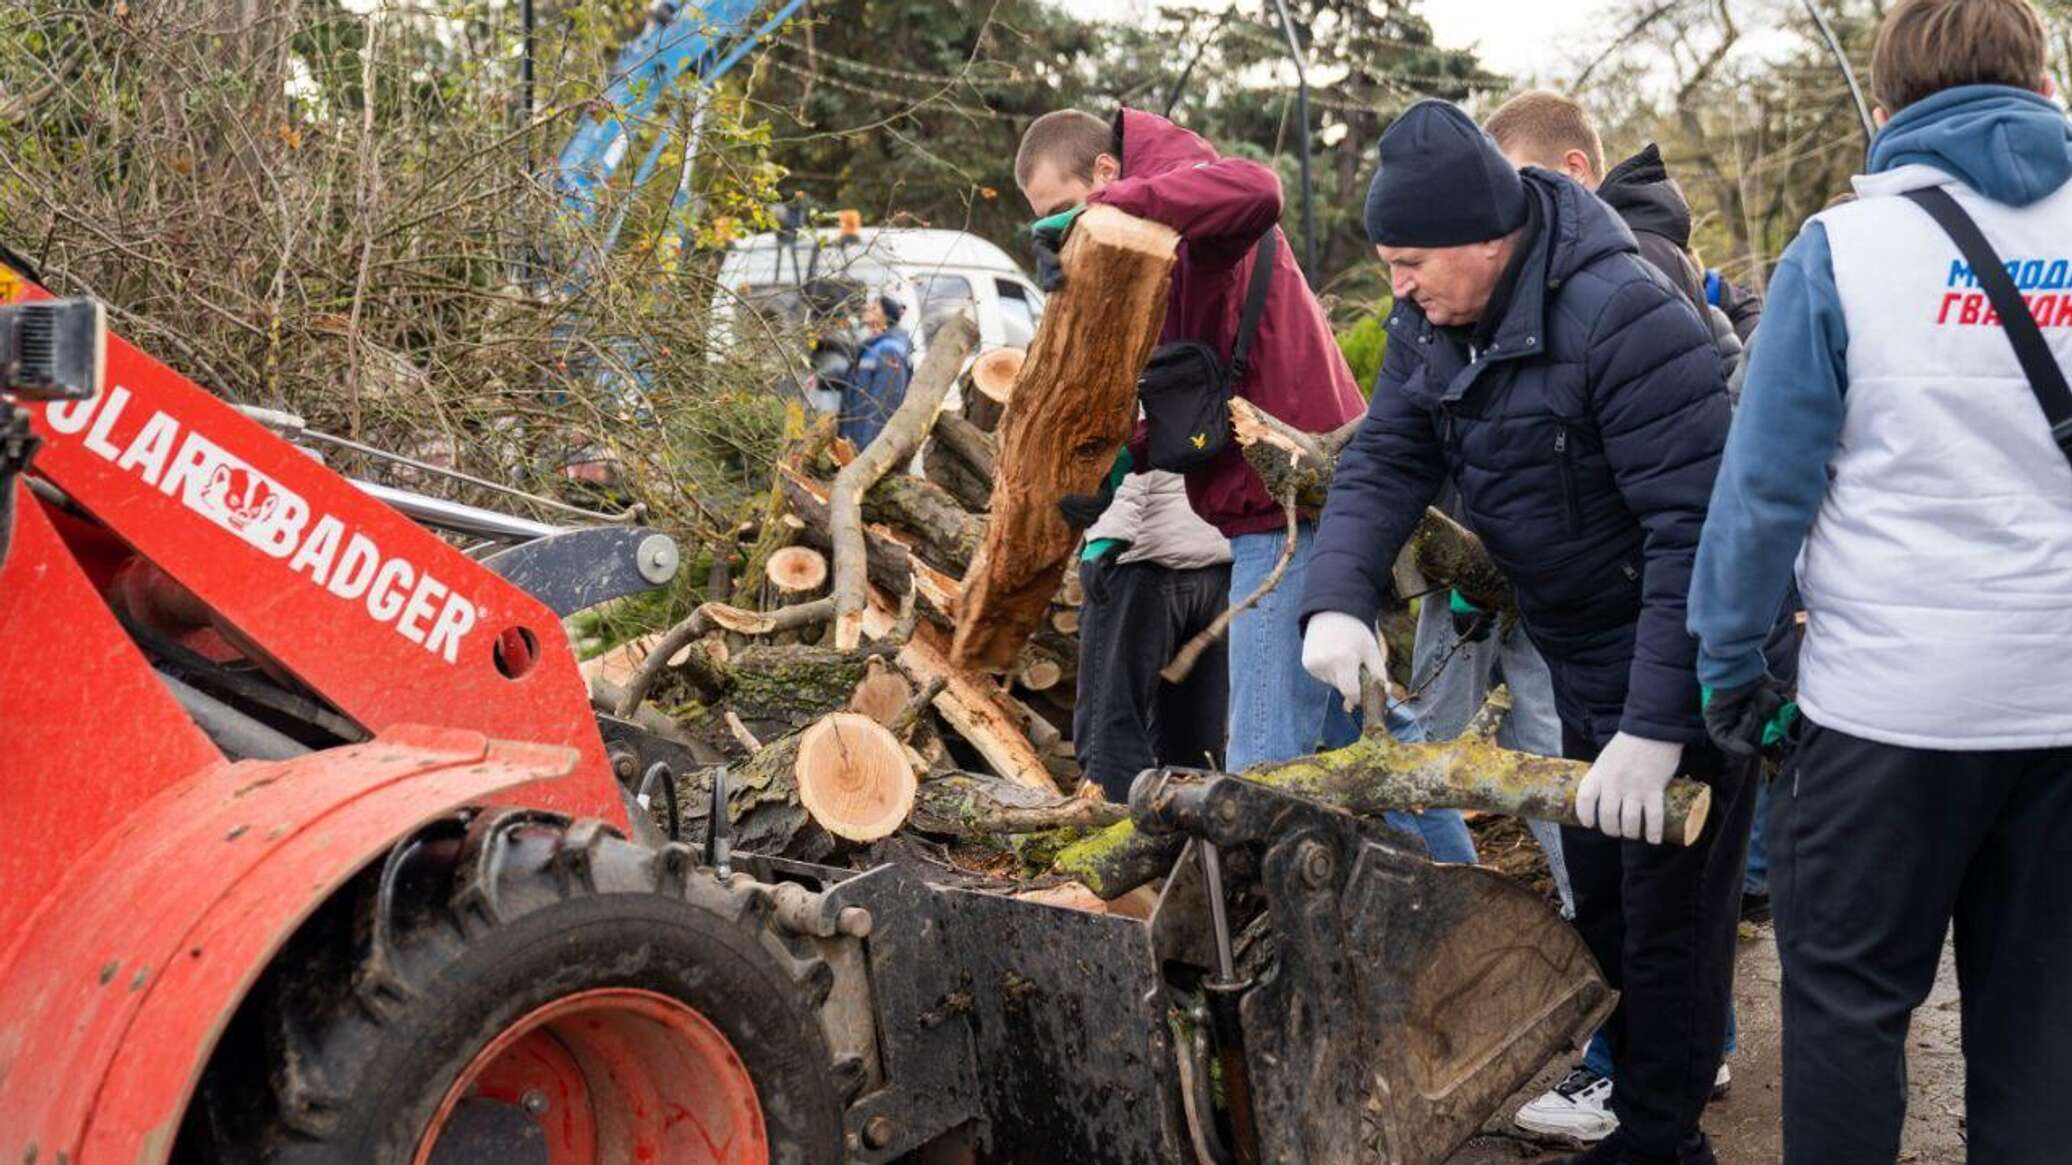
960	457
1292	462
1075	403
853	777
902	435
707	617
780	689
944	533
972	491
885	562
977	805
1378	773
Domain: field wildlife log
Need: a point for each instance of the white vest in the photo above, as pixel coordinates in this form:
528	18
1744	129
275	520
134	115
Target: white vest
1938	574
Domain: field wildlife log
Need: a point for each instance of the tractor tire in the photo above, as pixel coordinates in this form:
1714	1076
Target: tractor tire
516	988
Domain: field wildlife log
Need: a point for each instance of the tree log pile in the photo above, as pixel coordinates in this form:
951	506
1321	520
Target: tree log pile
896	655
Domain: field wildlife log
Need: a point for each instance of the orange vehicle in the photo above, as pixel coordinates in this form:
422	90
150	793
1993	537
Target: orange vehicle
319	853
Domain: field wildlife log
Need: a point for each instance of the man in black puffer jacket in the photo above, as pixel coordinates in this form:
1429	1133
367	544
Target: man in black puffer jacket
1575	400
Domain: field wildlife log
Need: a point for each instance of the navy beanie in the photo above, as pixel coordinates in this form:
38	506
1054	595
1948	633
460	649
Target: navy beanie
892	308
1442	183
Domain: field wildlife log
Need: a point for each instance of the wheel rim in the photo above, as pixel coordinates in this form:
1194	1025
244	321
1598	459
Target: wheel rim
614	1074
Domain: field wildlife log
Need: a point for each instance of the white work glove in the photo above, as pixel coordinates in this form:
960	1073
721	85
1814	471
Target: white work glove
1622	792
1334	649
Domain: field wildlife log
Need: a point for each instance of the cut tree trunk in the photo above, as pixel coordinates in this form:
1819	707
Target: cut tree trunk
895	443
960	458
942	531
883	693
978	805
853	777
796	570
988	384
978	710
1292	462
886	562
1075	403
1377	773
780	689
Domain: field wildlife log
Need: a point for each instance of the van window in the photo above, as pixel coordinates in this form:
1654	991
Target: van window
943	296
1020	308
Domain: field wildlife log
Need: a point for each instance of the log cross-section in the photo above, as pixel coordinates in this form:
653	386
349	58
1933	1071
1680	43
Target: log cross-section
1073	405
853	777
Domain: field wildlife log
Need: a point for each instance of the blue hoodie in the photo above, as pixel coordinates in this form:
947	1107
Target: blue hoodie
2008	144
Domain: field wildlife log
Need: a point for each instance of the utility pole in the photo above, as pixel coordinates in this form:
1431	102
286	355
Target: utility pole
1309	219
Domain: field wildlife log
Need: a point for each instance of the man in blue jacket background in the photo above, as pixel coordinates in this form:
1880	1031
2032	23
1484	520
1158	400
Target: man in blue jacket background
1576	402
878	378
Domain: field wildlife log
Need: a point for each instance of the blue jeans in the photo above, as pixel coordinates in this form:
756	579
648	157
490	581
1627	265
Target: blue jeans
1279	711
1452	682
1598	1057
1756	878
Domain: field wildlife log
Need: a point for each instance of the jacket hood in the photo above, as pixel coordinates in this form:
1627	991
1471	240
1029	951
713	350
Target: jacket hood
1641	190
1152	145
2009	144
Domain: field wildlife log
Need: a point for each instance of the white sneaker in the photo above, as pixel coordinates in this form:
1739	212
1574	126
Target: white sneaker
1722	1082
1578	1109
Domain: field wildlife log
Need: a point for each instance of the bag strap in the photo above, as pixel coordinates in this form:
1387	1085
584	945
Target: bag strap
2046	379
1255	301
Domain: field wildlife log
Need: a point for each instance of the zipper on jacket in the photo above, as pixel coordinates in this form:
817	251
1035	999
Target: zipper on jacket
1570	503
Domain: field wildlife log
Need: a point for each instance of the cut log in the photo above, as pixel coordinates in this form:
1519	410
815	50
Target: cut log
952	340
707	617
882	695
1070	592
1298	464
976	707
1075	403
940	529
853	777
960	458
1041	674
976	805
782	688
988	384
1065	620
885	562
1378	773
796	570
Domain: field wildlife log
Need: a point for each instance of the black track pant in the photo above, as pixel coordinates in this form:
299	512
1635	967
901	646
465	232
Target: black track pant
1874	850
1661	920
1133	618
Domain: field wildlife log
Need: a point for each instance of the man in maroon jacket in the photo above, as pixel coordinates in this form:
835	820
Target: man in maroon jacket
1149	167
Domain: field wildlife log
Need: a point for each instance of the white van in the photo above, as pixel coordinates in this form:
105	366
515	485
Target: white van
933	273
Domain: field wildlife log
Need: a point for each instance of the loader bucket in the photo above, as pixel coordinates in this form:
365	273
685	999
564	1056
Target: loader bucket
1403	1001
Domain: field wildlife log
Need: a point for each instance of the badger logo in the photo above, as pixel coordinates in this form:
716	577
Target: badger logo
240	497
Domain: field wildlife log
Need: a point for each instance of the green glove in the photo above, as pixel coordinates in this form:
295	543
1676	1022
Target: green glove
1470	622
1046	241
1732	714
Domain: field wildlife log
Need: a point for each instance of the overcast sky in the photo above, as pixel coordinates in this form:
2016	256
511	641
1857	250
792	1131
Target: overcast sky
1525	38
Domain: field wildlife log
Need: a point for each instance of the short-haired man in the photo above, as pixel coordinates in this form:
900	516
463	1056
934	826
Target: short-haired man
1576	403
1144	165
1889	443
1542	128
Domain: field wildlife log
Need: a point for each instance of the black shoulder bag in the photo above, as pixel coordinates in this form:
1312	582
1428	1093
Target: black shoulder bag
2046	379
1186	387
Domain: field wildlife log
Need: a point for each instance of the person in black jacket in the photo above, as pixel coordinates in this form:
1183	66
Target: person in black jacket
1543	128
1576	402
